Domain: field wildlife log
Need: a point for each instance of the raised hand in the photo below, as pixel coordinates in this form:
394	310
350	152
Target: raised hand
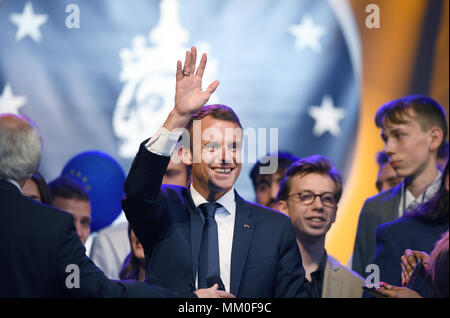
189	96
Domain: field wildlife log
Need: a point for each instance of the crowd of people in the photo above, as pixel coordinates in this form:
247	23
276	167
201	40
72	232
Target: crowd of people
190	234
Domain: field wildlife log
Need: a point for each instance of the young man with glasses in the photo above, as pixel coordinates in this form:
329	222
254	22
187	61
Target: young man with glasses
309	194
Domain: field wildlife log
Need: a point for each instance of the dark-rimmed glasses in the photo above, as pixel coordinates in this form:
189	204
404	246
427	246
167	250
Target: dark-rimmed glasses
328	199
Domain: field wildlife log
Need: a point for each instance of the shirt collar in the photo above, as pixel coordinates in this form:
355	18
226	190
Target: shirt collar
15	183
227	200
429	192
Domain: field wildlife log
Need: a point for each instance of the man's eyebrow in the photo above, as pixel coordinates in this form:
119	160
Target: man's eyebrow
396	130
211	142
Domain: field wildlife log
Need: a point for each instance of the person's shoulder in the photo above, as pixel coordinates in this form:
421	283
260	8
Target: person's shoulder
381	202
406	223
171	190
385	195
45	213
265	212
399	228
336	265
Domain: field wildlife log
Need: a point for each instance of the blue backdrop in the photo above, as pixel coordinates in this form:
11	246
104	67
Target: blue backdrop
100	75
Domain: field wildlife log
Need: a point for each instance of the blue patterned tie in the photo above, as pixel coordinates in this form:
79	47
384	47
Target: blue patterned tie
208	264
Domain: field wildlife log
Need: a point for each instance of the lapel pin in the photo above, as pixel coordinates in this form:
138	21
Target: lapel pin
246	226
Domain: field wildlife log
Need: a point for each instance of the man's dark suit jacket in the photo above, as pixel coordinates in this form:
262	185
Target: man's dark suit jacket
377	210
395	237
265	260
38	242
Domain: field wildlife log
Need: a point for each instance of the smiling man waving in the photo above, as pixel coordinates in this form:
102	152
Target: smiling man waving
207	235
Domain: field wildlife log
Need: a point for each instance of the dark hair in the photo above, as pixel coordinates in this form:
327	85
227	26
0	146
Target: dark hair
189	172
443	151
427	112
313	164
382	158
68	188
434	211
285	159
440	251
217	111
130	267
44	191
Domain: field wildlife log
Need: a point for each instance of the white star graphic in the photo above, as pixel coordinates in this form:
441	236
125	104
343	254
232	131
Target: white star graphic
10	103
327	117
307	34
28	23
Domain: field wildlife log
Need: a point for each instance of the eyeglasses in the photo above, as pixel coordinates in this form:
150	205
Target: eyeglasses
328	199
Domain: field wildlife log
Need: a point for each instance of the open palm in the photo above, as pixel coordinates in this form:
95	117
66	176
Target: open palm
189	97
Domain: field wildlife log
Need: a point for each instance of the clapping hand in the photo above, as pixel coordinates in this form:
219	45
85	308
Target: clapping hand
408	263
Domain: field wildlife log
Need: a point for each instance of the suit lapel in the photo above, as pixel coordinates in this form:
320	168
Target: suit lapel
392	204
332	284
244	227
336	285
8	187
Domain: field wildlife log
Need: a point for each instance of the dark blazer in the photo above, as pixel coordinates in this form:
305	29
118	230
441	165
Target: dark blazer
395	237
379	209
38	242
265	259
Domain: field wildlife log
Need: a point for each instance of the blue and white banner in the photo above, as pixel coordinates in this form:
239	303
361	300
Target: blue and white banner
100	75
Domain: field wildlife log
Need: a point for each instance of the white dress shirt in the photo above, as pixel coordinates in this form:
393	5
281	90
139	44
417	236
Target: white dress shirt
412	202
224	217
163	143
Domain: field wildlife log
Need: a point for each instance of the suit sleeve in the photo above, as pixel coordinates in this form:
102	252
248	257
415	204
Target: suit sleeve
359	258
81	278
144	203
290	272
387	256
78	274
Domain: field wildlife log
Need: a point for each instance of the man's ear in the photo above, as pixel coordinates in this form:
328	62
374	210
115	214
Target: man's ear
283	208
436	136
185	155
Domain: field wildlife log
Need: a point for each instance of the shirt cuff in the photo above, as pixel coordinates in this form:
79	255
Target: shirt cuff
164	141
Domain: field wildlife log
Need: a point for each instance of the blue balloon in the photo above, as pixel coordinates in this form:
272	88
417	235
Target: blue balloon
103	178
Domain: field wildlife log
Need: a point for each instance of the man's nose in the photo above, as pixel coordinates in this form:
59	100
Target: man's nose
317	203
78	228
389	147
227	155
